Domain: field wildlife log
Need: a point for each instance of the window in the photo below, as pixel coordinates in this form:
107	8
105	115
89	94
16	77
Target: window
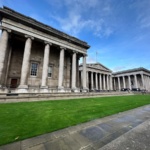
49	71
34	67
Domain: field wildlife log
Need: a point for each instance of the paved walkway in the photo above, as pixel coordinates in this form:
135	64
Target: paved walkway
123	131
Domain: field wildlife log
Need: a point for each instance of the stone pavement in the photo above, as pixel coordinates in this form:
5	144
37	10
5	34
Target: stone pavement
123	131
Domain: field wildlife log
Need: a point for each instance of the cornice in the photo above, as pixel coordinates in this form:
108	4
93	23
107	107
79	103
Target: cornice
11	14
132	70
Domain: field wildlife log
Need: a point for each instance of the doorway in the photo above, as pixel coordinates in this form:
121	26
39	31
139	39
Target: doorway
13	83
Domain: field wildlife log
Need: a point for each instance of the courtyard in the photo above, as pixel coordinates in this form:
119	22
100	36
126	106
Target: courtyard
23	120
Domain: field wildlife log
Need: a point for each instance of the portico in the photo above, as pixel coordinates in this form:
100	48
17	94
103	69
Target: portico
98	77
132	79
38	58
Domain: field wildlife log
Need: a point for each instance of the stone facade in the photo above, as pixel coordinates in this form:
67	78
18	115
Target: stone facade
99	77
132	79
36	57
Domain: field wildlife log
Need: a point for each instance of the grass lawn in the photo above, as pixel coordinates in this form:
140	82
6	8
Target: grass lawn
23	120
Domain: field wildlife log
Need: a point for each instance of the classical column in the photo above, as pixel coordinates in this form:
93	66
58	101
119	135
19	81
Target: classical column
45	65
124	86
135	80
100	82
149	83
81	81
8	65
3	50
110	82
96	81
87	80
25	64
107	78
91	80
114	79
146	83
61	69
143	84
129	82
104	83
119	83
85	89
73	81
77	70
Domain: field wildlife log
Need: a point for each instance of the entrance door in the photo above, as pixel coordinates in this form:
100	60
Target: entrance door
13	83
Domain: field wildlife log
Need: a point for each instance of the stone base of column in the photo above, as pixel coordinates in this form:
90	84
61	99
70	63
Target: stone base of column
44	89
75	90
3	90
23	89
61	90
84	90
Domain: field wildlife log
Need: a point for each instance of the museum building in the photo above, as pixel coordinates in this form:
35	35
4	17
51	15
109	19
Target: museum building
137	78
38	58
99	77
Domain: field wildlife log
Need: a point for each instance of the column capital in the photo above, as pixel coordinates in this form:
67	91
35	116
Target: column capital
61	47
6	29
142	74
75	52
85	55
49	43
28	36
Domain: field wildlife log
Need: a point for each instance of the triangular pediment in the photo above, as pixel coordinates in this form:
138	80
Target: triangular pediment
98	66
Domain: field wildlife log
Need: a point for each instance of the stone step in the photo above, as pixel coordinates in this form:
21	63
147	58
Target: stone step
55	96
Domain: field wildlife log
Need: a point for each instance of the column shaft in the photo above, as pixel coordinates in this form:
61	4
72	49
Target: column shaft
77	70
91	80
96	81
107	82
3	50
84	73
87	80
129	82
100	82
45	65
135	80
74	70
143	83
110	82
114	79
25	63
119	83
104	83
124	86
61	69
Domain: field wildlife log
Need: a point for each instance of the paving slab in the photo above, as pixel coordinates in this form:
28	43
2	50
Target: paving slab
136	139
117	132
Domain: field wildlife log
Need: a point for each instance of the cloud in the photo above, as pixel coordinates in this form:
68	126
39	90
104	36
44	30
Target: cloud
86	15
143	11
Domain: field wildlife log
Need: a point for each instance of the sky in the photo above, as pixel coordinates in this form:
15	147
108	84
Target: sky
118	31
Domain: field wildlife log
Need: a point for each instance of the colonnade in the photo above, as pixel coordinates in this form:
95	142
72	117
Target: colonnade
99	81
131	81
26	63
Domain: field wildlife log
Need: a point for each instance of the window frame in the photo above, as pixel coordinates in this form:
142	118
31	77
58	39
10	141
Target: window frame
36	69
50	65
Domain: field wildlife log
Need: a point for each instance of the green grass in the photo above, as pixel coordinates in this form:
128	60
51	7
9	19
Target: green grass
19	121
